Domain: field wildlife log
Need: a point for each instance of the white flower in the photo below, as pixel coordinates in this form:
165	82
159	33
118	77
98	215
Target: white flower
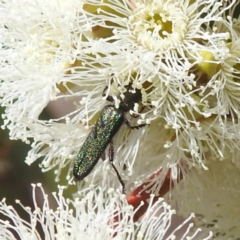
92	218
179	59
182	55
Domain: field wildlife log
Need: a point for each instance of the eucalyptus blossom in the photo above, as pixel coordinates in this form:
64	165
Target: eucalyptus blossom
182	55
91	217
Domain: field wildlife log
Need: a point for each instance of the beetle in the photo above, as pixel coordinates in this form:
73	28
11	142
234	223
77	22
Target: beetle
109	122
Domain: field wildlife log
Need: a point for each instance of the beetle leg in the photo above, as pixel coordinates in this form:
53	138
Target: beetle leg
111	156
135	115
133	127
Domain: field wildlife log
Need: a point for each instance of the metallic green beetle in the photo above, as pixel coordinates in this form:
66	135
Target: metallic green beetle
109	122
